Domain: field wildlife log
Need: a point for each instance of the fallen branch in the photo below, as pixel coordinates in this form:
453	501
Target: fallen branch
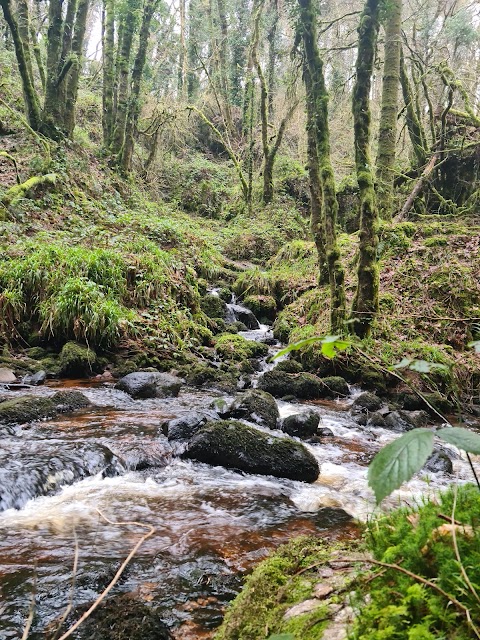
116	577
417	189
4	154
20	190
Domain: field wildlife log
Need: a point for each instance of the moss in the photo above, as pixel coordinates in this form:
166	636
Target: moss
397	605
230	346
77	360
264	307
283	580
30	408
213	306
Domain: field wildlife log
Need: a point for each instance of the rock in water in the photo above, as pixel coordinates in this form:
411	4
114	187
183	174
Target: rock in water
406	420
77	361
31	408
144	384
301	425
234	445
35	378
7	376
255	406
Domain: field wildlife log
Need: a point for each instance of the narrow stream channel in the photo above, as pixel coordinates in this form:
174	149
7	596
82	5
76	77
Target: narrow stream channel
212	524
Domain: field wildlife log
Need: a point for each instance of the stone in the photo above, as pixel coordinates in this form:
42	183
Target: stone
186	426
366	402
213	306
77	361
30	408
7	376
255	406
35	379
439	462
334	387
234	445
406	420
290	366
302	385
307	606
322	590
376	419
301	425
145	384
278	383
237	312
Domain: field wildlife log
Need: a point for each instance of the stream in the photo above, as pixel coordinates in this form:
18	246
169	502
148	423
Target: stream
212	525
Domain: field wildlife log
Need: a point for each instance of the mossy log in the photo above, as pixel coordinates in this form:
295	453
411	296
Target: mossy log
20	190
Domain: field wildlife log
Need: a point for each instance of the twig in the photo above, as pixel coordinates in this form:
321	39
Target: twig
31	612
116	577
457	551
72	588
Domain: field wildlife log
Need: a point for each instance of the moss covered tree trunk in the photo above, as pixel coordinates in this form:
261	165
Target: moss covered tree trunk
22	53
414	124
52	113
317	103
108	57
365	303
388	117
134	109
130	20
73	78
223	64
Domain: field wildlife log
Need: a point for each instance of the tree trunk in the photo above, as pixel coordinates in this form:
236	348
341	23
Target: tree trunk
71	93
317	96
108	55
182	53
139	64
22	52
388	118
272	56
223	64
129	28
415	127
52	115
365	303
238	58
194	18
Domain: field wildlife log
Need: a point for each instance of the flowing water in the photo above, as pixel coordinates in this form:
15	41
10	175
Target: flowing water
65	482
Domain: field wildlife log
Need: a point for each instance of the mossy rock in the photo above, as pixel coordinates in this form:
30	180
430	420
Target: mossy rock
31	408
77	361
302	385
256	406
234	347
286	579
289	366
51	365
36	353
234	445
264	307
213	306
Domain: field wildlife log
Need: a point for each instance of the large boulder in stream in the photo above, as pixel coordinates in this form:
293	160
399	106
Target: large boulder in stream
406	420
234	445
185	427
302	385
31	408
255	406
146	384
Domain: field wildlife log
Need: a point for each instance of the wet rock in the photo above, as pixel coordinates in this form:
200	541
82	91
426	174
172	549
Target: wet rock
7	376
376	419
35	379
301	425
255	406
213	306
144	384
234	445
325	432
302	608
30	408
186	426
303	385
77	361
405	420
413	402
39	469
439	462
278	383
328	517
290	366
237	312
123	617
366	402
264	307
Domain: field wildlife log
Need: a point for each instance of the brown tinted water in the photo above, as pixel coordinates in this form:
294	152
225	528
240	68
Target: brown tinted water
211	524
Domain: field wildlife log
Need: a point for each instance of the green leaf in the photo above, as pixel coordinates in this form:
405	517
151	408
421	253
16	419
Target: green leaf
398	461
462	438
422	366
475	345
282	636
404	362
329	345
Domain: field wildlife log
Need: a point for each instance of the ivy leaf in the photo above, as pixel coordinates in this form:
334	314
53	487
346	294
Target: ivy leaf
404	362
422	366
398	461
330	345
461	438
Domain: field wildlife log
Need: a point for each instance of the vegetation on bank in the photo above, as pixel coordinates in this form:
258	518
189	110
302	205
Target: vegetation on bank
414	575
